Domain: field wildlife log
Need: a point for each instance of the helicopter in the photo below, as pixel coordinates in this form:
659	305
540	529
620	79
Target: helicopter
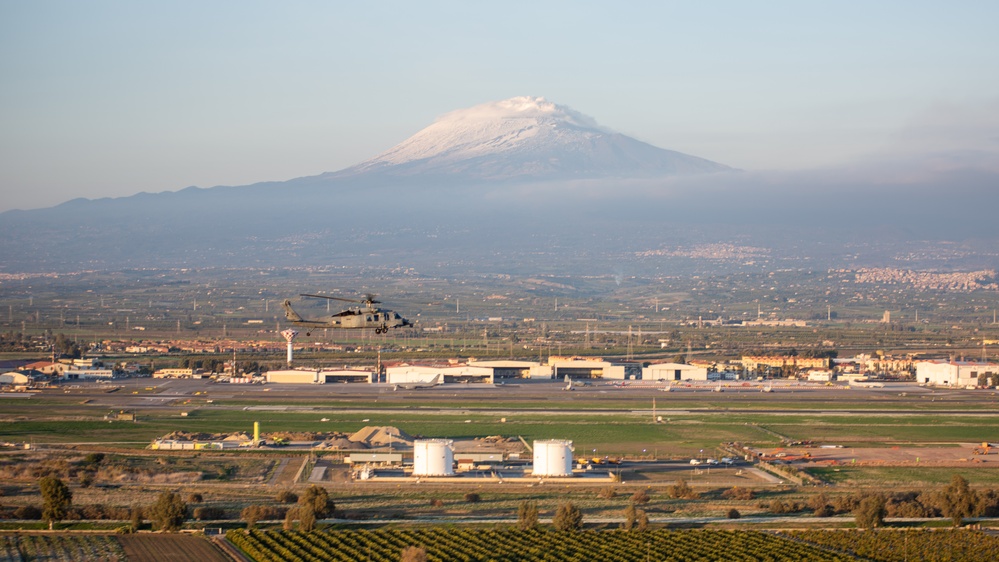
368	316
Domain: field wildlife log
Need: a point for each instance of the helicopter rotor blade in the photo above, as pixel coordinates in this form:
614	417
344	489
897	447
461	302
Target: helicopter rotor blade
332	298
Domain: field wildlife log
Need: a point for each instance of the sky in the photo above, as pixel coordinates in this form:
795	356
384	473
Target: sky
108	99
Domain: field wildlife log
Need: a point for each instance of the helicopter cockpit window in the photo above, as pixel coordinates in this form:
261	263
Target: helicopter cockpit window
368	318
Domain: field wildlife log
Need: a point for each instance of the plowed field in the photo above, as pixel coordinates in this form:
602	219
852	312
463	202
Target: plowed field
169	548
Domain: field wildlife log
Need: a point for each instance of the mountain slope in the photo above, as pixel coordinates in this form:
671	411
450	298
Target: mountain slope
526	138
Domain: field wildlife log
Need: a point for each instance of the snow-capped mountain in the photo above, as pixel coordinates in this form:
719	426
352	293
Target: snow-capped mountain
526	138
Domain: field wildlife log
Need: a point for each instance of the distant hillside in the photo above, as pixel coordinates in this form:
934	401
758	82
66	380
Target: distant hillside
523	185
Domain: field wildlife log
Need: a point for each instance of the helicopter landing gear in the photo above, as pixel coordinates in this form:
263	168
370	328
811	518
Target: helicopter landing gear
382	330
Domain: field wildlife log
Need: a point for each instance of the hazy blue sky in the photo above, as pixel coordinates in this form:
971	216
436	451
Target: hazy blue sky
105	99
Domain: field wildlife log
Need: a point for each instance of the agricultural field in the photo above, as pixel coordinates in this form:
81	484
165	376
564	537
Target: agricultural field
515	545
61	548
905	546
151	548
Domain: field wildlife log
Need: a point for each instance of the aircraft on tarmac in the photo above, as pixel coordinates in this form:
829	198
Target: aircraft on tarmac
368	316
419	385
568	383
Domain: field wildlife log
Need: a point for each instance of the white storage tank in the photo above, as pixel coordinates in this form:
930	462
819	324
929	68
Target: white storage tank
433	457
553	457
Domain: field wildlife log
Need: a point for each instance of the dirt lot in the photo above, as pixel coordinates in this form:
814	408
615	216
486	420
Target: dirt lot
169	548
957	455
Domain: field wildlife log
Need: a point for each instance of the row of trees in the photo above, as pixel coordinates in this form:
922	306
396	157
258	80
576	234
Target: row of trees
169	512
957	501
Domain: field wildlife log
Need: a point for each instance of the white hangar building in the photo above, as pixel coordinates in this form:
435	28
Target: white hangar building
404	374
955	373
584	369
674	372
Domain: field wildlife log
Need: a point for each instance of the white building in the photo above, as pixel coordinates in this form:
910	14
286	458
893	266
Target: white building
583	369
87	374
955	373
820	375
14	378
674	372
515	369
407	374
293	376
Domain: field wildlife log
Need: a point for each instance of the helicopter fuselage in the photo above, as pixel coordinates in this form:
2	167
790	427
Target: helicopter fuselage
355	318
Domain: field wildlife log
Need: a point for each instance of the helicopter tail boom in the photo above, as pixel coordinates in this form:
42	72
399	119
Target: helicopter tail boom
289	312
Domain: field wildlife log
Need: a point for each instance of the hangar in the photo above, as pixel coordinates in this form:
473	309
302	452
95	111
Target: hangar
956	373
505	370
584	369
674	372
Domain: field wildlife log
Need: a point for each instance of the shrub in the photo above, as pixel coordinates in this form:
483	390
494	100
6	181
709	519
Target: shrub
607	493
204	513
681	490
733	514
28	512
93	458
195	498
640	497
824	511
846	504
436	502
86	479
472	497
413	554
738	493
287	496
251	514
781	506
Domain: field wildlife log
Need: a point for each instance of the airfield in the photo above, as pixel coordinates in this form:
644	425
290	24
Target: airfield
814	427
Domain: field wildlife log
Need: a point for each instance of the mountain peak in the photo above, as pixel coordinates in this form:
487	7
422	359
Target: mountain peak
526	137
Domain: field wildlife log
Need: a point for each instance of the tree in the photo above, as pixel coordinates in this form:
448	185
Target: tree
136	515
568	517
319	499
306	518
959	500
251	514
642	523
169	511
630	516
681	490
527	515
56	499
871	512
